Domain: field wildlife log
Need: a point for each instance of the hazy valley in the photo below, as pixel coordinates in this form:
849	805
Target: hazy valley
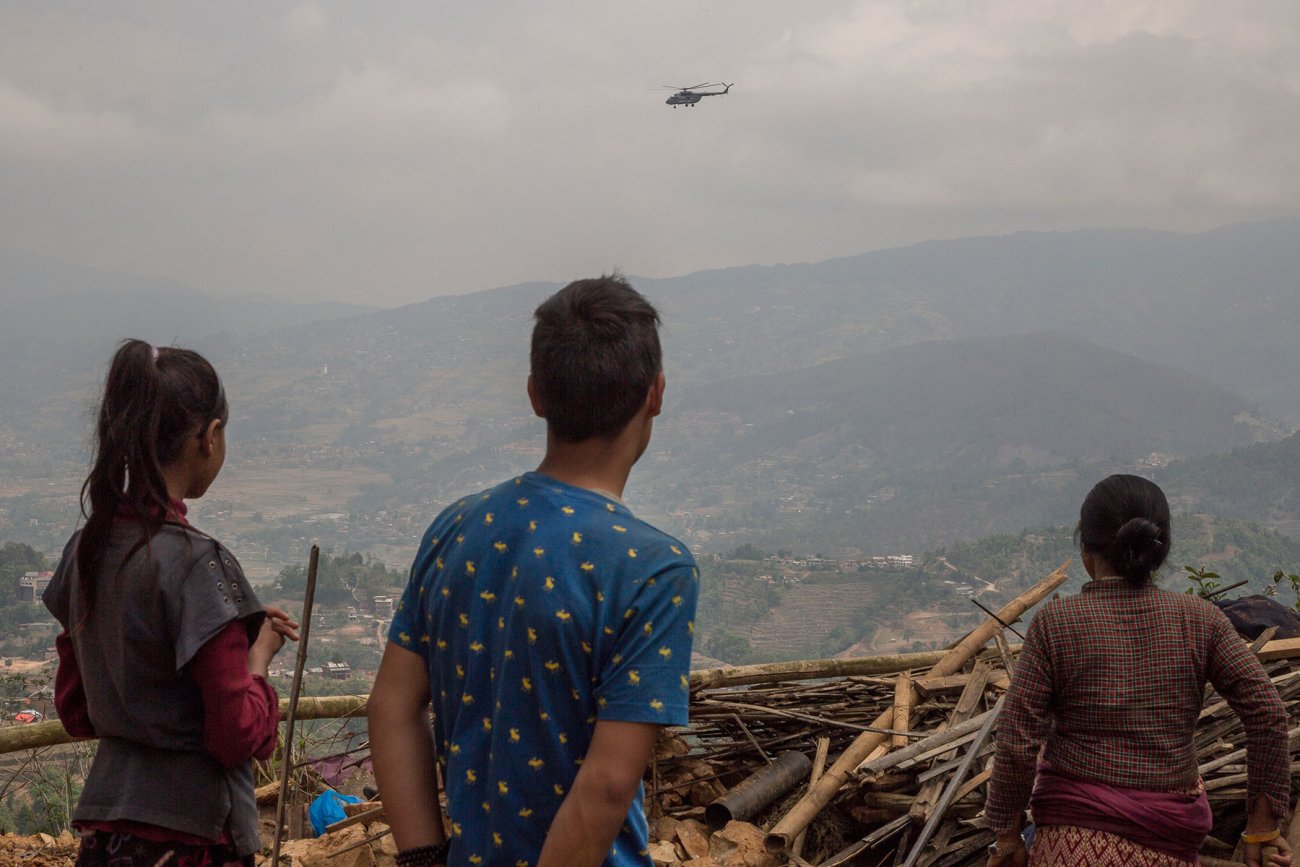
935	401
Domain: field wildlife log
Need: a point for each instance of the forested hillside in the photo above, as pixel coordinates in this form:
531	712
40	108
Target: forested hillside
750	612
1259	482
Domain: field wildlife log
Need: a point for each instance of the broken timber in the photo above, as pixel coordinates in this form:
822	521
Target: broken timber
819	795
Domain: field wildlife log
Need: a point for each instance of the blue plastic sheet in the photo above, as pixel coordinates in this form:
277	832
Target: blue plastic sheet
328	809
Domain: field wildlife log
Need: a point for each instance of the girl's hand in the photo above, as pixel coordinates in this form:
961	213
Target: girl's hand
275	629
281	623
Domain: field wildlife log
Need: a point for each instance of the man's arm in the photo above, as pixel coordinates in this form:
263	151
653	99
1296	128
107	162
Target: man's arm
596	807
401	747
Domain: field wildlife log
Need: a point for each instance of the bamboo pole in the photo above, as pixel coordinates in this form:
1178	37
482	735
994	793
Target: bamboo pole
286	756
811	669
818	766
326	707
903	692
51	734
803	812
34	736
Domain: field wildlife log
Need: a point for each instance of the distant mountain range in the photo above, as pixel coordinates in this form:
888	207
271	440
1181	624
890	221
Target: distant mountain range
62	320
898	399
933	442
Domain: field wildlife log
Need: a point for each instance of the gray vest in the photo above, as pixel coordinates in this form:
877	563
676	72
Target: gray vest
153	608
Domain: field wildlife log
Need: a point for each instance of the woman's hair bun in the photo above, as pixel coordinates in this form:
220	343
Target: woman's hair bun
1139	549
1125	519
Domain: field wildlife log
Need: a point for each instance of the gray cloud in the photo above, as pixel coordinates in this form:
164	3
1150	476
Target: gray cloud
385	154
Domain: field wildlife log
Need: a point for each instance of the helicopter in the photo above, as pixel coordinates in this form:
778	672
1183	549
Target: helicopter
688	96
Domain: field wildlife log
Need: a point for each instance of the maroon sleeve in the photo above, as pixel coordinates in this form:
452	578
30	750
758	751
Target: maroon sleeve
1022	729
70	692
241	713
1240	678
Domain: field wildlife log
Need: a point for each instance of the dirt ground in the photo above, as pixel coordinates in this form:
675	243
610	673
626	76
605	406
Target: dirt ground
38	850
898	637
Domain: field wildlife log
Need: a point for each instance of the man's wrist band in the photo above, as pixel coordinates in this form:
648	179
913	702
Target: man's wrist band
424	856
1261	837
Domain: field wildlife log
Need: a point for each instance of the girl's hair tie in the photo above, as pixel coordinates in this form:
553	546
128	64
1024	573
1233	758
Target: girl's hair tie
153	351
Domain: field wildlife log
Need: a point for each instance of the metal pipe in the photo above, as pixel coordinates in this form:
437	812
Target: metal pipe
758	790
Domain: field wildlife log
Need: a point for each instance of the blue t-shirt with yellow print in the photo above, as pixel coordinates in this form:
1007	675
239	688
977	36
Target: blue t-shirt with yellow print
540	608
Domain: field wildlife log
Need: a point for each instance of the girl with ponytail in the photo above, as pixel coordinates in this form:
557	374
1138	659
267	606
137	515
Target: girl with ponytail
1112	682
165	647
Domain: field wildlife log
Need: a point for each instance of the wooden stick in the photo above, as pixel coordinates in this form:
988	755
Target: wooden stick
954	782
744	728
818	766
982	607
286	756
973	783
1262	639
806	717
373	815
357	845
1234	756
834	779
810	669
966	705
879	835
1004	650
903	693
1283	648
936	744
51	734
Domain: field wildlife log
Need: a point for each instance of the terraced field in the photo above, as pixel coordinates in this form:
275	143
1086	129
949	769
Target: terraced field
808	613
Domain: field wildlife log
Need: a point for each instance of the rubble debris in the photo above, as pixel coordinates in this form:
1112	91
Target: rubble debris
887	794
886	737
39	850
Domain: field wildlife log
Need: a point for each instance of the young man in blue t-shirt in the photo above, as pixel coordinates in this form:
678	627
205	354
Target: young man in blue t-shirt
549	627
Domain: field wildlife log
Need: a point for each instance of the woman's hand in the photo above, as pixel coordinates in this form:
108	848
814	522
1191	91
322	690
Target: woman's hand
1010	851
275	629
1274	853
1270	853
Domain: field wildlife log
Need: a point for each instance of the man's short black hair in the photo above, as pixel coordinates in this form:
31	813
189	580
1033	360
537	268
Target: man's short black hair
595	354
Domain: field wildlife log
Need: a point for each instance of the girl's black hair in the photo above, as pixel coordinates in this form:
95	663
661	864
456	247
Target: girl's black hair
1125	521
153	399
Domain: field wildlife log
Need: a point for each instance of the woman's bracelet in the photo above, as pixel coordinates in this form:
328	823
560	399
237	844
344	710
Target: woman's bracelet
1261	837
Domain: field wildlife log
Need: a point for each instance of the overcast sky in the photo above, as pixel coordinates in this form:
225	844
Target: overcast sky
386	152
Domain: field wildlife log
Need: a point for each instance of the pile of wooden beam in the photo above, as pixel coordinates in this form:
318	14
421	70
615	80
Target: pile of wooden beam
909	743
879	761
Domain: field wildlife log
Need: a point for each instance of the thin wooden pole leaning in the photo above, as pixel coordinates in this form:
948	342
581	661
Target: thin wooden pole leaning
820	794
286	756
